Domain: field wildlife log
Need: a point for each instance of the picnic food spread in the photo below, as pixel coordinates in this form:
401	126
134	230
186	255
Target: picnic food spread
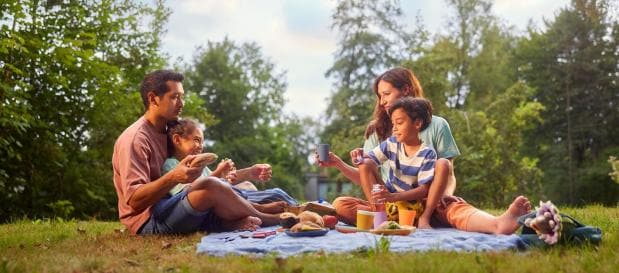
389	225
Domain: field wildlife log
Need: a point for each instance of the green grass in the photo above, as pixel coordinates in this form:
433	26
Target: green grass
92	246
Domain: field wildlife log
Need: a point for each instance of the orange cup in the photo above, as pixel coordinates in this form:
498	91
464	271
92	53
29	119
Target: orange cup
406	217
365	219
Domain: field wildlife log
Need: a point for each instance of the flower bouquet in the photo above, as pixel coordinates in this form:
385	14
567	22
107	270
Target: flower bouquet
547	222
546	226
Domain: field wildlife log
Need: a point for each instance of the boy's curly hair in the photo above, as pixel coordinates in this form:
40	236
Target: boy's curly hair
415	108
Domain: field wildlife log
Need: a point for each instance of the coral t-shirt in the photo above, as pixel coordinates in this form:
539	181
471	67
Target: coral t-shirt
138	155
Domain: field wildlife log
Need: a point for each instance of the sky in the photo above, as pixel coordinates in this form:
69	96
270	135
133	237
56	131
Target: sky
296	36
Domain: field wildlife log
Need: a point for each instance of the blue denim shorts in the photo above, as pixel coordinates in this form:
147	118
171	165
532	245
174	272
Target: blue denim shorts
174	215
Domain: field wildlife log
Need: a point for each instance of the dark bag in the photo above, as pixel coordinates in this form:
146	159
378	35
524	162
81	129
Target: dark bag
573	232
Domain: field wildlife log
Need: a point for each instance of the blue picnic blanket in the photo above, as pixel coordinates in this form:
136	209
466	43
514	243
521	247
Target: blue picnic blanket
220	244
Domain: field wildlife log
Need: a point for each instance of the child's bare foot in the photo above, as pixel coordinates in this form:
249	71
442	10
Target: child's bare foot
507	223
272	208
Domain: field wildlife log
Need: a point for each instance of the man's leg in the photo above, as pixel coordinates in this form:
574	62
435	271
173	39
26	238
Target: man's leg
208	193
246	185
437	189
271	207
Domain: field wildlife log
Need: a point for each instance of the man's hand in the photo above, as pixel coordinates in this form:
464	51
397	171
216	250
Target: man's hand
184	174
261	172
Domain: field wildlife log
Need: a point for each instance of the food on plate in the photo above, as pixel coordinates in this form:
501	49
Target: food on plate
389	225
308	216
288	219
330	221
305	226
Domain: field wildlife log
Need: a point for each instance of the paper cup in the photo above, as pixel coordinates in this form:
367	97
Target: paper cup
323	152
365	219
406	217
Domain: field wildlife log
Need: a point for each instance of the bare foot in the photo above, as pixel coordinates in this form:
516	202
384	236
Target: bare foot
507	223
269	219
248	223
273	207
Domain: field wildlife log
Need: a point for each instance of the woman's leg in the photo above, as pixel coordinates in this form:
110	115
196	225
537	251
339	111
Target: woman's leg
463	216
346	208
436	192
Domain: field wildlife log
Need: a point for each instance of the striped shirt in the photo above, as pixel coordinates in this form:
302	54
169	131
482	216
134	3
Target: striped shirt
405	172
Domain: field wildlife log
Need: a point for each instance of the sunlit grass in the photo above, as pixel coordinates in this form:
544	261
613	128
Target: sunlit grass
94	246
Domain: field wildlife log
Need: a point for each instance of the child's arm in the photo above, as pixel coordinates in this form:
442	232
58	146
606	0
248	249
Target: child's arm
418	194
257	172
223	168
424	179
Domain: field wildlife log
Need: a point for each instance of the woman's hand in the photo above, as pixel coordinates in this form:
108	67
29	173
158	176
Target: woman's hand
333	160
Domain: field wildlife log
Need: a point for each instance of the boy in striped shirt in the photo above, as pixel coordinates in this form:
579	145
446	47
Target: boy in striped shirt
411	171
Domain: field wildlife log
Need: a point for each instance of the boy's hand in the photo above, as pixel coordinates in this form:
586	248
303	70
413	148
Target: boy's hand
357	156
261	172
384	194
184	174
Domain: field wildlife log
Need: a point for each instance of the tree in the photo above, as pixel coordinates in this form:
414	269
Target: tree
244	93
69	78
470	77
370	41
466	28
494	167
573	66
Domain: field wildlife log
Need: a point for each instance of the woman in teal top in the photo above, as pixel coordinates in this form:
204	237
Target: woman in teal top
394	84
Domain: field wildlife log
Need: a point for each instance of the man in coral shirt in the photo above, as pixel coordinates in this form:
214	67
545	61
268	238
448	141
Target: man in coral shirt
144	205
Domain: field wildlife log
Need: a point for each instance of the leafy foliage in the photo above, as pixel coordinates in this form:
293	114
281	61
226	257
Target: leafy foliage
573	66
370	40
492	168
244	93
69	71
522	109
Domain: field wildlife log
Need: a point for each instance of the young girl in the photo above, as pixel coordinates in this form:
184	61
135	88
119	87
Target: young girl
411	172
185	138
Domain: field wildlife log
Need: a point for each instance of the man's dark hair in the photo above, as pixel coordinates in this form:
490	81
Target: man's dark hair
415	108
156	82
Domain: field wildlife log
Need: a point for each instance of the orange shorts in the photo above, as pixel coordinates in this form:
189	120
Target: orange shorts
456	213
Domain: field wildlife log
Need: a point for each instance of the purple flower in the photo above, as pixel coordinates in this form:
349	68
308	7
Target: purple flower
547	223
